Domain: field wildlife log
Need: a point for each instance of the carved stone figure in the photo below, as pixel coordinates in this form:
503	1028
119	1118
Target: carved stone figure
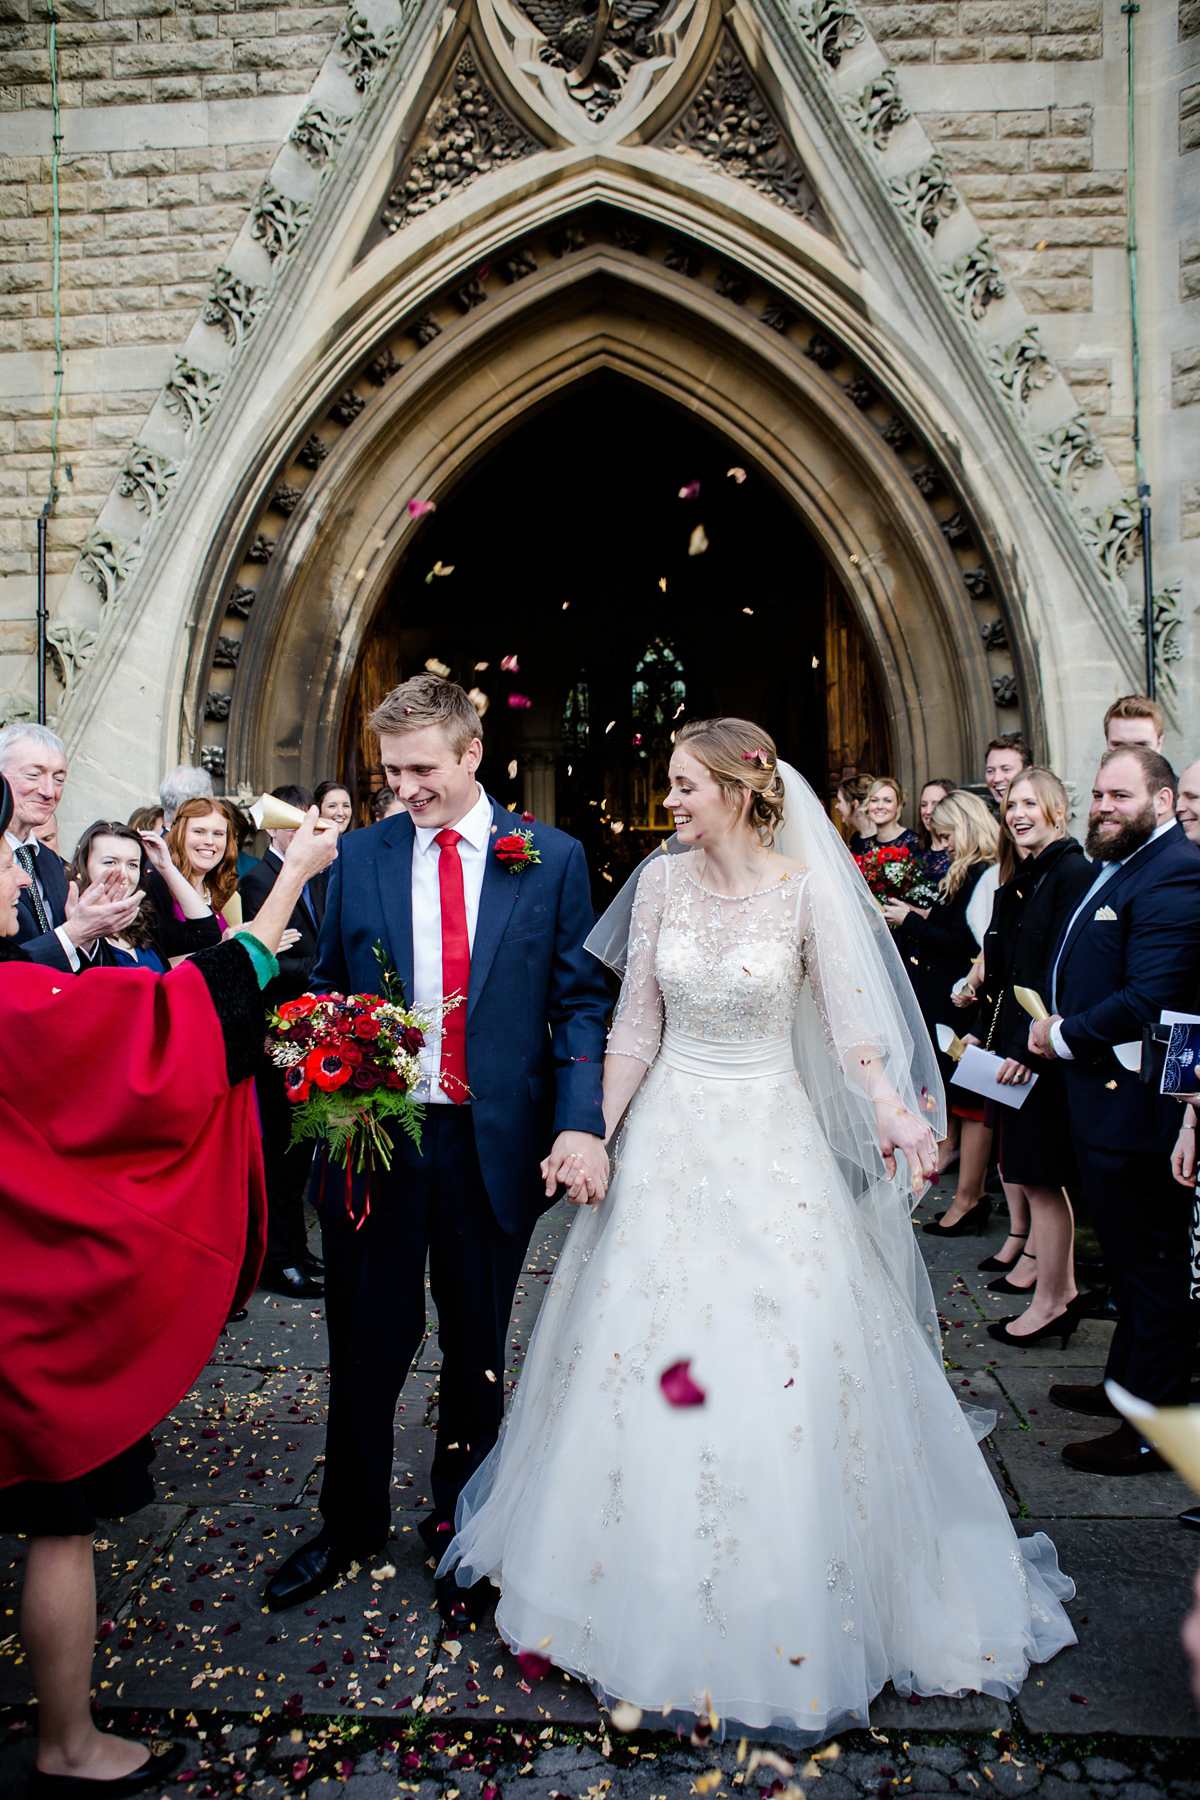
597	42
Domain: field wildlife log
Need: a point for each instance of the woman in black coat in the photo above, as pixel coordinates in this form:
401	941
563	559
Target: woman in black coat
938	948
1033	907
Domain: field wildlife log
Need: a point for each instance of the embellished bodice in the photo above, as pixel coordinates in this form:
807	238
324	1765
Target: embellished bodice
726	969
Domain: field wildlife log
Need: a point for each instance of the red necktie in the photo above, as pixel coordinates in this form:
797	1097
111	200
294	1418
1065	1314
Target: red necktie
456	966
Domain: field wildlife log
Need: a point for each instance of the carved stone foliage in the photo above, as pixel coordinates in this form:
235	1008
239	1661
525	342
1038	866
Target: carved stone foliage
1168	618
877	109
216	704
730	125
347	407
16	707
926	194
191	393
597	43
226	654
467	133
286	499
1021	366
978	583
107	561
425	329
521	263
212	758
1114	534
1004	687
313	451
240	601
277	221
232	306
361	50
318	132
1067	451
831	26
146	479
994	633
381	368
261	549
70	648
973	281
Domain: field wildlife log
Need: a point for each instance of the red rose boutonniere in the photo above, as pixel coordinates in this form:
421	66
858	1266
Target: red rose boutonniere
516	851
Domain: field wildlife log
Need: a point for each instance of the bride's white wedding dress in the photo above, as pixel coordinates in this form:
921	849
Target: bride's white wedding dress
824	1522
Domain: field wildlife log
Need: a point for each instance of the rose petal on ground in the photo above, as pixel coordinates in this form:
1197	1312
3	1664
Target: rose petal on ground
533	1666
678	1387
384	1573
698	542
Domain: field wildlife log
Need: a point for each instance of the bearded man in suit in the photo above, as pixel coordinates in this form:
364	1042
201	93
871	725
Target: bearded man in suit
513	1109
1131	950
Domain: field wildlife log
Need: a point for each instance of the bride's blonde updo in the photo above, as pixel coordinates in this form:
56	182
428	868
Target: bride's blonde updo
740	755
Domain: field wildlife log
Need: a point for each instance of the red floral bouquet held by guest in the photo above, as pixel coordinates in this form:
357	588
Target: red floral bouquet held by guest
894	872
352	1062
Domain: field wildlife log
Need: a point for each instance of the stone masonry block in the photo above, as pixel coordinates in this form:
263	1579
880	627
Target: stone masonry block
1010	48
1189	509
117	196
207	156
126	299
227	185
322	19
977	188
1189	119
148	328
178	87
243	86
250	156
91	62
985	18
1056	296
286	81
141	225
279	53
143	162
1038	187
1022	124
181	293
974	158
17	306
1185	377
1069	230
1059	153
1098	182
1074	15
115	93
1070	121
976	125
97	31
911	50
887	22
171	59
1189	282
1084	48
174	190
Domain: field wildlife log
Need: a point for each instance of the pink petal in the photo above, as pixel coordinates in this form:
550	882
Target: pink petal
511	664
533	1666
418	508
690	491
678	1387
519	702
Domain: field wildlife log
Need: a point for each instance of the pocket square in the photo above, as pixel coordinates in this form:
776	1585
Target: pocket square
1105	912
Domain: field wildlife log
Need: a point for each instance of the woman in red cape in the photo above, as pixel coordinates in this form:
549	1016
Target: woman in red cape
130	1142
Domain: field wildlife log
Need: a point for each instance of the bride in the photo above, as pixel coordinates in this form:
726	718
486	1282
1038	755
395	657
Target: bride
799	1513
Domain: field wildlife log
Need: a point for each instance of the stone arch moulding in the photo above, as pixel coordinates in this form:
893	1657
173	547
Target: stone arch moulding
598	290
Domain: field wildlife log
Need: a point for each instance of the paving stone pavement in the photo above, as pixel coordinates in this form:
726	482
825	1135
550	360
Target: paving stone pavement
360	1695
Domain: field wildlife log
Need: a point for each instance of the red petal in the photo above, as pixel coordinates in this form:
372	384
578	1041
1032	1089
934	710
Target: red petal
679	1388
533	1666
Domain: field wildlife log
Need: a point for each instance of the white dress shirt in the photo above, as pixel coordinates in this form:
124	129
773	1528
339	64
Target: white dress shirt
1104	874
473	848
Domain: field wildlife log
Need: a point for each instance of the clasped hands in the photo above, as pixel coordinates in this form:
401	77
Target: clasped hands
901	1130
1040	1042
579	1161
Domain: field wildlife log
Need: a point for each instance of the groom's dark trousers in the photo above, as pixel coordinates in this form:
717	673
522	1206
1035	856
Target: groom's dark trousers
469	1199
375	1313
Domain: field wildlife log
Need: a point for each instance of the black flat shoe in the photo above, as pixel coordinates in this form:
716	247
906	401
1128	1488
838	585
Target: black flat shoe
308	1571
291	1282
974	1219
462	1607
1063	1327
992	1265
312	1265
436	1533
165	1758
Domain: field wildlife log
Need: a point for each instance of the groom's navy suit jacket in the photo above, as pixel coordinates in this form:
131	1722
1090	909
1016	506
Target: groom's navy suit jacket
536	1003
1133	950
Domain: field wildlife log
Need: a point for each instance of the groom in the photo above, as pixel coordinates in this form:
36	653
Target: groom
514	1078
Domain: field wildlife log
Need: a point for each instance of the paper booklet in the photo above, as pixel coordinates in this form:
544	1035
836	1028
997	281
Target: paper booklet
977	1070
1181	1074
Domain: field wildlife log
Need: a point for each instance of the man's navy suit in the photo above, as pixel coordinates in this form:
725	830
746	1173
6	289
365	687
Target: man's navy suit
1133	950
44	946
469	1198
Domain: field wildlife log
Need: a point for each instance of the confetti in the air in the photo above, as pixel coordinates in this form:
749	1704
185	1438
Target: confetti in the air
736	474
690	491
479	700
439	568
437	668
520	702
678	1387
512	769
625	1716
697	543
748	609
418	508
510	665
662	582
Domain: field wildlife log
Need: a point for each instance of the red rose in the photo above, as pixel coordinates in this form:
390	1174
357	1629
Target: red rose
365	1078
327	1069
396	1081
511	849
411	1040
367	1026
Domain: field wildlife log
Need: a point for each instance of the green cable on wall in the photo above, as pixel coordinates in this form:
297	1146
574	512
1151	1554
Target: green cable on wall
56	227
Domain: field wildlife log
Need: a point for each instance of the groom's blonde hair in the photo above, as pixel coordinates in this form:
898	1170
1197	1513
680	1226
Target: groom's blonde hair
429	700
739	755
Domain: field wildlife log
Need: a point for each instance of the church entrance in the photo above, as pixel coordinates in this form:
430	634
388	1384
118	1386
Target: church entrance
608	568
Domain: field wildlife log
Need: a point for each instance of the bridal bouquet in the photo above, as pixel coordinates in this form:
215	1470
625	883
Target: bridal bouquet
351	1063
893	872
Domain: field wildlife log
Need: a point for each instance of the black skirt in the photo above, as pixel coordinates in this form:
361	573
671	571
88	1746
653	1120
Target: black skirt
121	1485
1036	1149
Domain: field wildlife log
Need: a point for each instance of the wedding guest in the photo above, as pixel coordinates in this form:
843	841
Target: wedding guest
289	1267
56	926
1134	719
180	784
1187	807
47	836
107	848
384	803
1006	757
885	803
124	1239
200	845
1039	892
334	802
940	950
935	789
850	805
1185	1167
1130	949
147	818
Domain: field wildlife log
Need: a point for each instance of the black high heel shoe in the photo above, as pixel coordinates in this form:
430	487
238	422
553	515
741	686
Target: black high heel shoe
1002	1285
1062	1328
974	1219
992	1265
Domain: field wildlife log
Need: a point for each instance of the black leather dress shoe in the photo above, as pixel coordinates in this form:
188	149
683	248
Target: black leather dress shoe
1097	1303
165	1758
1122	1452
312	1265
291	1282
309	1570
436	1533
1091	1400
462	1607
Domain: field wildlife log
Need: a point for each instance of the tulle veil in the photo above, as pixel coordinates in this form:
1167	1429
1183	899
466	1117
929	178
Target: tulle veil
856	958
